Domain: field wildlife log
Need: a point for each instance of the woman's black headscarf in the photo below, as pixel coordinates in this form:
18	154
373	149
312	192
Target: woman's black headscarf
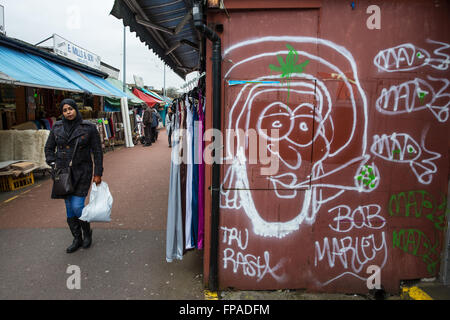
70	125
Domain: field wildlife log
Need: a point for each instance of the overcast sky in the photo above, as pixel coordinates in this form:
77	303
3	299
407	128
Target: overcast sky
88	24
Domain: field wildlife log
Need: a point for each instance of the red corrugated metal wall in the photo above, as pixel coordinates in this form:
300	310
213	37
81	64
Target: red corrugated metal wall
361	157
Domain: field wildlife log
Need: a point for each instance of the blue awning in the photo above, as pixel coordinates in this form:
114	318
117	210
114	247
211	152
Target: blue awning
22	68
153	94
105	85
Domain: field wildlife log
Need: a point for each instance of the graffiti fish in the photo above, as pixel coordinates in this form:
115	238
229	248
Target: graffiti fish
415	95
402	148
407	57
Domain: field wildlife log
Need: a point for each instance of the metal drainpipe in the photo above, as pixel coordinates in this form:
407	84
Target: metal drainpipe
215	189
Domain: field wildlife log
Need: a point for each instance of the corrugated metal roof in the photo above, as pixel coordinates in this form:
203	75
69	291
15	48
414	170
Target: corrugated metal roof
166	26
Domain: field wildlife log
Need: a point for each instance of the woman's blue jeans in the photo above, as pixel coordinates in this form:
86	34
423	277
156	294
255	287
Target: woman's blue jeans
74	206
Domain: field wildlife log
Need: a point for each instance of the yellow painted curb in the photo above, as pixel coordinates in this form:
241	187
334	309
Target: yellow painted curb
10	199
22	193
415	293
209	295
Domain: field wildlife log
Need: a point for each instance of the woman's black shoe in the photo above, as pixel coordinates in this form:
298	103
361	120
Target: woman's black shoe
87	233
75	228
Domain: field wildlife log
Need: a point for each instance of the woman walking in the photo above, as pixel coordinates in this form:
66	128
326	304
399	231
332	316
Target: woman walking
170	124
66	135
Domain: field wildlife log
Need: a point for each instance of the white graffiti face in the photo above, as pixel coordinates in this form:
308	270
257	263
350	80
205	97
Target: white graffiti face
407	56
299	126
306	136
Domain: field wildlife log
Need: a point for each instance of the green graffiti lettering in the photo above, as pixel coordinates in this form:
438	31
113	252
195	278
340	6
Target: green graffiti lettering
412	203
418	204
416	243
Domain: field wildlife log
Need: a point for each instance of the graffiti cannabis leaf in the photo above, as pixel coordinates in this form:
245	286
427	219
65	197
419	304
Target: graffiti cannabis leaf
367	176
290	66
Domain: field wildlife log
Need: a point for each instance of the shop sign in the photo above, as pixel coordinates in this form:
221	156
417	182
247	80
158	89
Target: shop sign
138	81
2	20
73	52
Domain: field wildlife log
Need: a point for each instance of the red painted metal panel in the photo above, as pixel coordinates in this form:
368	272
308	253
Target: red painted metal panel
267	4
375	147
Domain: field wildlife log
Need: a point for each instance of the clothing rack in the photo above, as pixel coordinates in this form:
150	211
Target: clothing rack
186	212
193	83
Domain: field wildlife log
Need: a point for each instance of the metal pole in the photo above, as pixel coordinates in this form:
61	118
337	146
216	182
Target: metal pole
164	90
124	58
213	282
124	100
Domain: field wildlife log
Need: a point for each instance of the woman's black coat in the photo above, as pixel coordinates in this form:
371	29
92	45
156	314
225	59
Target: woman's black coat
59	149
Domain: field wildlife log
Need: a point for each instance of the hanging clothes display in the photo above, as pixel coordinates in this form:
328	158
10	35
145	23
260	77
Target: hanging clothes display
183	165
195	186
186	212
174	233
201	173
189	172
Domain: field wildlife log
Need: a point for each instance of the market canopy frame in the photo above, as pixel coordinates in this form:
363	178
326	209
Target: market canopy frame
166	27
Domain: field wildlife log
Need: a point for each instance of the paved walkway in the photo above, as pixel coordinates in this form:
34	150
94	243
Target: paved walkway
127	257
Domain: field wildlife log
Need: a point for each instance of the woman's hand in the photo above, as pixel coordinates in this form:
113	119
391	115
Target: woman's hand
97	180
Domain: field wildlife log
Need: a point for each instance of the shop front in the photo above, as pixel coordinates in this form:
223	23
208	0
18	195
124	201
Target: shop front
32	84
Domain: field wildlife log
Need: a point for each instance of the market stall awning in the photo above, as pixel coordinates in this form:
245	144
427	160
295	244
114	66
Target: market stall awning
149	100
157	96
19	67
166	27
153	94
24	69
87	82
132	99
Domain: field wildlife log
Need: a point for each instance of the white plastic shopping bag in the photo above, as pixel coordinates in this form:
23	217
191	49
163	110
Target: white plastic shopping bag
100	204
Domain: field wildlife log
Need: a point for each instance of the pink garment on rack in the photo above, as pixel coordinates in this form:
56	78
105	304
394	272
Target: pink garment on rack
201	175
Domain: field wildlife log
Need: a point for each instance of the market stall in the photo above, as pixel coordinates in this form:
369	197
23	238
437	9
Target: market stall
32	84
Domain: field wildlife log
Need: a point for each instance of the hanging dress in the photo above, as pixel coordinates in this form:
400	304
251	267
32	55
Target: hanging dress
182	153
174	231
195	147
201	175
189	169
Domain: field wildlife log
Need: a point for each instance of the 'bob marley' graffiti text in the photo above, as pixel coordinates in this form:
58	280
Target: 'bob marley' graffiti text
353	252
363	216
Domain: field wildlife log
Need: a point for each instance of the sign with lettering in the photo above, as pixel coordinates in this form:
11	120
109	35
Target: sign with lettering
73	52
2	20
138	81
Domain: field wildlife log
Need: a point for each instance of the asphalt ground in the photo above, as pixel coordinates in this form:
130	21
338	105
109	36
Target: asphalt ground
127	256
